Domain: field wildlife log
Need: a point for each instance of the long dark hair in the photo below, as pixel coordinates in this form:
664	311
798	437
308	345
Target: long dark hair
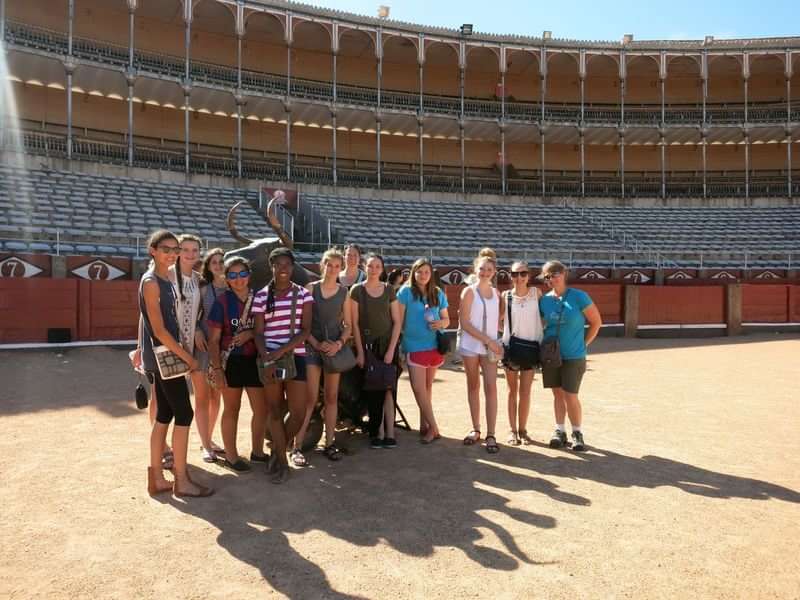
431	294
372	255
208	276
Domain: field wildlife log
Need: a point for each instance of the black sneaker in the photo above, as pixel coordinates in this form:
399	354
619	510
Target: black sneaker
389	443
559	439
577	441
376	443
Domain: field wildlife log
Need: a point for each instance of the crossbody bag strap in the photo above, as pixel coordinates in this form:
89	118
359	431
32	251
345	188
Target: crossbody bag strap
483	301
293	314
509	297
561	312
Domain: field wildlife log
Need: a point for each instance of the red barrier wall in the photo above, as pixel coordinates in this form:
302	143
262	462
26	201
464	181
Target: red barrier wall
794	304
764	303
108	310
681	305
28	307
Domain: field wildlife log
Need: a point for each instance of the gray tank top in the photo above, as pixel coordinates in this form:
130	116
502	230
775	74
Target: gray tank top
167	303
326	319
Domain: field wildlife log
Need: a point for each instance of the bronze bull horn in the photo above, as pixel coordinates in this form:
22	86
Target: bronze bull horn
272	219
232	225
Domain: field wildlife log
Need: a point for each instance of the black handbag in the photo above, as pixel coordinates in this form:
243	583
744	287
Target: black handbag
520	352
550	352
442	343
378	376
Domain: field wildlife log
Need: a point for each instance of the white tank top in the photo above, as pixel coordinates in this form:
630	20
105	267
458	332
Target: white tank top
525	318
468	342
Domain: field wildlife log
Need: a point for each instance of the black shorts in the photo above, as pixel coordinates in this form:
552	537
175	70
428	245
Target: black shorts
300	365
242	372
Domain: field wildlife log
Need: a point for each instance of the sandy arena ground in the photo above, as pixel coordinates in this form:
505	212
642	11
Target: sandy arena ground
691	489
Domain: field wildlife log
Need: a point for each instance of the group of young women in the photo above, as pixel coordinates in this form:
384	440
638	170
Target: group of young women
282	342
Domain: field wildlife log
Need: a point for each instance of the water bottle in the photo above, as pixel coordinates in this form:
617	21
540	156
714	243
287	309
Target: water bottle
430	314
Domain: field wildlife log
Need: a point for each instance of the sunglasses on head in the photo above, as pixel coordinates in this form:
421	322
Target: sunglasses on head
170	249
516	274
232	275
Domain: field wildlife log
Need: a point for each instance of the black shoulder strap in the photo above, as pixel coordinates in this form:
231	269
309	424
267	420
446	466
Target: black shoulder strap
509	296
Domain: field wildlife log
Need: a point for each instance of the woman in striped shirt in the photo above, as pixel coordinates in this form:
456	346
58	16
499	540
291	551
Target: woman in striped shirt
276	335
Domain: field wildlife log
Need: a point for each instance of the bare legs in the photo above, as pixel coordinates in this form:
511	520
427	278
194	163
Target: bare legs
519	386
202	408
422	384
313	375
474	366
230	420
565	403
296	396
180	444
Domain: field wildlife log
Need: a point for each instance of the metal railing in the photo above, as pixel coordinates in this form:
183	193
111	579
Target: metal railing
221	161
23	35
135	246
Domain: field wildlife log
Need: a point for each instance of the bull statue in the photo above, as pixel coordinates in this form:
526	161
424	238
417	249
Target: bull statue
257	251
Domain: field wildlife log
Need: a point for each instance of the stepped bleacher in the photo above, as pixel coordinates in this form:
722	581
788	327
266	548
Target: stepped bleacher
451	232
91	214
705	229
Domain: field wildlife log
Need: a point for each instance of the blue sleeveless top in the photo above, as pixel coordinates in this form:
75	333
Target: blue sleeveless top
167	303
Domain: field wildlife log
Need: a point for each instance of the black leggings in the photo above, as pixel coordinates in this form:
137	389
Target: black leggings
374	401
172	401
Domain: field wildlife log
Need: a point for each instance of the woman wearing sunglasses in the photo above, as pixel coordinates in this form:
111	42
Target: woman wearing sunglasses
232	352
565	312
160	326
523	322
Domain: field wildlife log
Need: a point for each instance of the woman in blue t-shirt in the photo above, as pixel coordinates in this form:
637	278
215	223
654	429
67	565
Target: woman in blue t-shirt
423	310
232	356
565	312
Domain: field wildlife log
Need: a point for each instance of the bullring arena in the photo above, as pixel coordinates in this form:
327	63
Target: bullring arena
664	174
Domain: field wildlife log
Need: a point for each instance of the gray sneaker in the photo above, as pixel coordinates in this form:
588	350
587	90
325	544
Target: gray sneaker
577	441
559	439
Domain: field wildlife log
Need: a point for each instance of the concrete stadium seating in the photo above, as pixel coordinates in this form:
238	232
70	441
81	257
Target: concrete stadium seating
109	213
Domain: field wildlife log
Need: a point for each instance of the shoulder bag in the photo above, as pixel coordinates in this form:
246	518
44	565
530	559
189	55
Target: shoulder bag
551	347
286	362
378	376
520	352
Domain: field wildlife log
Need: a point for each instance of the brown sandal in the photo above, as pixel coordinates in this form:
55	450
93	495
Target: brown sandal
203	491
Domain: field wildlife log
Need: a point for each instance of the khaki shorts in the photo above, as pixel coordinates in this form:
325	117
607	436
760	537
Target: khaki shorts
567	377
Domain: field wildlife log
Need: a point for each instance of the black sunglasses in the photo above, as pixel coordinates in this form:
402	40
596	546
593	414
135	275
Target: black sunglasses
516	274
549	276
237	275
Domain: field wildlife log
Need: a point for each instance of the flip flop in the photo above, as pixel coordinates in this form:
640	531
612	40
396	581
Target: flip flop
491	446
